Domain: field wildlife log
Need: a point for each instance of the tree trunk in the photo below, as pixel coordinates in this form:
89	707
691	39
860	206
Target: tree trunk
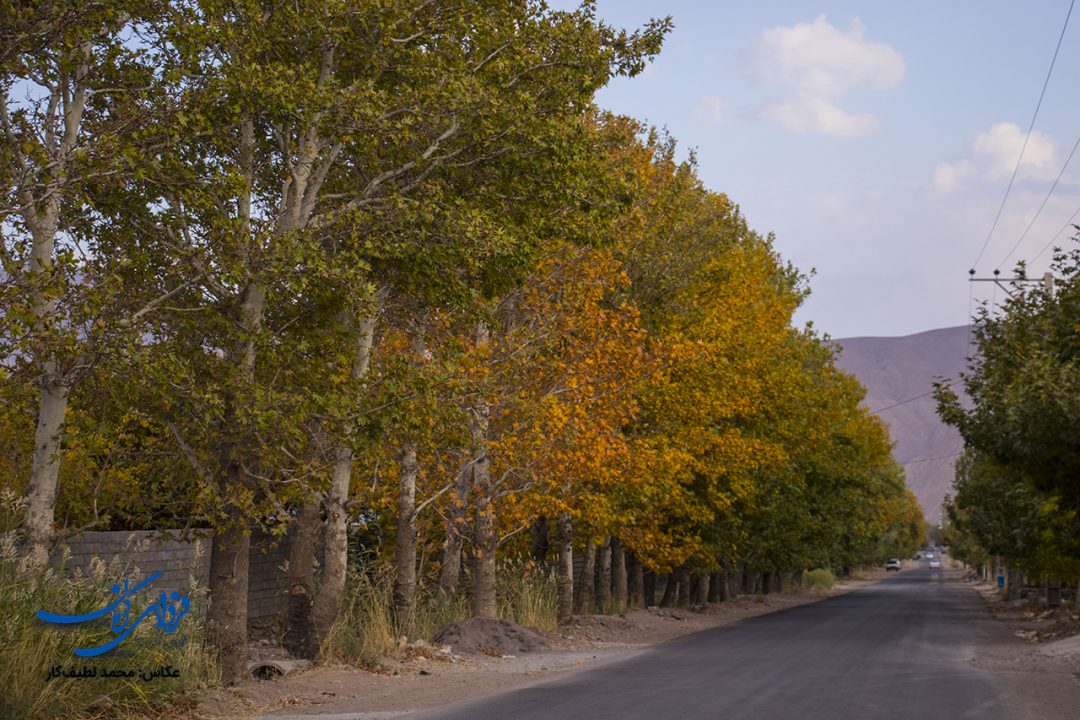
566	568
703	585
714	589
747	581
404	592
636	583
485	540
41	213
37	523
766	582
588	574
227	615
450	569
603	579
300	638
541	540
619	589
335	532
671	586
684	587
485	544
648	589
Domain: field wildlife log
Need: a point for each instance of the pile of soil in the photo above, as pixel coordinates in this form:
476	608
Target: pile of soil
487	636
598	628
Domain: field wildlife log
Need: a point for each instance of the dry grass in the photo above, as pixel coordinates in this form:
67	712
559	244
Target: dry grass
819	579
364	632
29	648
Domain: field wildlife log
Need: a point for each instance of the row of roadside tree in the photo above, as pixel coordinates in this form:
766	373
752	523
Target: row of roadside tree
1016	501
303	266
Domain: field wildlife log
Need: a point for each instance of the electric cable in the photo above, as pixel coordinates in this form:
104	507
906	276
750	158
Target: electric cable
1045	199
902	402
1064	227
940	457
1031	126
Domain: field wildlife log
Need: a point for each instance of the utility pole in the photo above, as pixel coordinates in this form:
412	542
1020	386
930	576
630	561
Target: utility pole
1047	281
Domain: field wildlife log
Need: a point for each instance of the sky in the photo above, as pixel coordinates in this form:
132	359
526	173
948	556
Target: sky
876	140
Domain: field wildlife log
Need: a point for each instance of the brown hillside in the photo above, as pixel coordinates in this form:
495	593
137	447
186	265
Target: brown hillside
897	369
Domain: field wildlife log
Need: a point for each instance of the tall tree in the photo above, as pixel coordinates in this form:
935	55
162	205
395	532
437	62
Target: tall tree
73	91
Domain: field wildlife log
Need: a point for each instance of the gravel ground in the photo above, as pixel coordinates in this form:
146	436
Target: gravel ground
1036	681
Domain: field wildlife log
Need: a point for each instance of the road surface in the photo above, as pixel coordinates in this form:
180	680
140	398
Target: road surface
902	648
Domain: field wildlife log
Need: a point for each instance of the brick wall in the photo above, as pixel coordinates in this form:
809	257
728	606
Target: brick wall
180	561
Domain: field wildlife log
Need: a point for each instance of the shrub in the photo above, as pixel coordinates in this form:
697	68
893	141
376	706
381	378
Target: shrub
819	579
364	632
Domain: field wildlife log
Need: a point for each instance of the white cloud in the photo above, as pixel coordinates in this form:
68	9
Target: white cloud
711	109
816	64
992	155
1000	146
949	176
818	115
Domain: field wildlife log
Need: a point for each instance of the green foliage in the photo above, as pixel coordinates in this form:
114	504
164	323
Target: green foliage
1016	494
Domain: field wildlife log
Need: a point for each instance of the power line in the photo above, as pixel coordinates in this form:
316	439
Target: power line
1027	137
1064	227
941	457
902	402
1045	199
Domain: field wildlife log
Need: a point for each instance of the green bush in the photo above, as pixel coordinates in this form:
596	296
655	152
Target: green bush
819	579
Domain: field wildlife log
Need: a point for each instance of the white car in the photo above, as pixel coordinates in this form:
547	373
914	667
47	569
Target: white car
893	564
935	564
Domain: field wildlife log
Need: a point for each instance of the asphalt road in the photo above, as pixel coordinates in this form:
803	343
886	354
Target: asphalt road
898	649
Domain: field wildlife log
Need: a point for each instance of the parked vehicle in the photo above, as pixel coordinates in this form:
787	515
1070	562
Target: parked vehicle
893	564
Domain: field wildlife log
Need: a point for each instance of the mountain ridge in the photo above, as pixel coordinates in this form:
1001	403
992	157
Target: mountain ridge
899	373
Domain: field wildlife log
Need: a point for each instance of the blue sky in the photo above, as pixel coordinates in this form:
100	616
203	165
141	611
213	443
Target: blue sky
875	139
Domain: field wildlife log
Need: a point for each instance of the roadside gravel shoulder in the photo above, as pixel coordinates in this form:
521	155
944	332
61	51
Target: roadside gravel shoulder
1032	683
420	682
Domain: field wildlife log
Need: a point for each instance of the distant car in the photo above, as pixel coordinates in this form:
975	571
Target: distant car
893	564
935	564
930	555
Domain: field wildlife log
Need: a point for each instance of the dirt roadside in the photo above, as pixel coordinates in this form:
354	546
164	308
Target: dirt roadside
425	678
1034	657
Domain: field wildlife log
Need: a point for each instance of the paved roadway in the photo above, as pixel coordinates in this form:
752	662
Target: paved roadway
898	649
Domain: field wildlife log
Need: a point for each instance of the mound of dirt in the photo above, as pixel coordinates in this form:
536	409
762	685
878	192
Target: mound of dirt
486	636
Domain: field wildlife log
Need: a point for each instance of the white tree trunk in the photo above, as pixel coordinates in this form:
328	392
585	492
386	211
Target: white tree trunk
335	533
37	523
40	209
404	593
